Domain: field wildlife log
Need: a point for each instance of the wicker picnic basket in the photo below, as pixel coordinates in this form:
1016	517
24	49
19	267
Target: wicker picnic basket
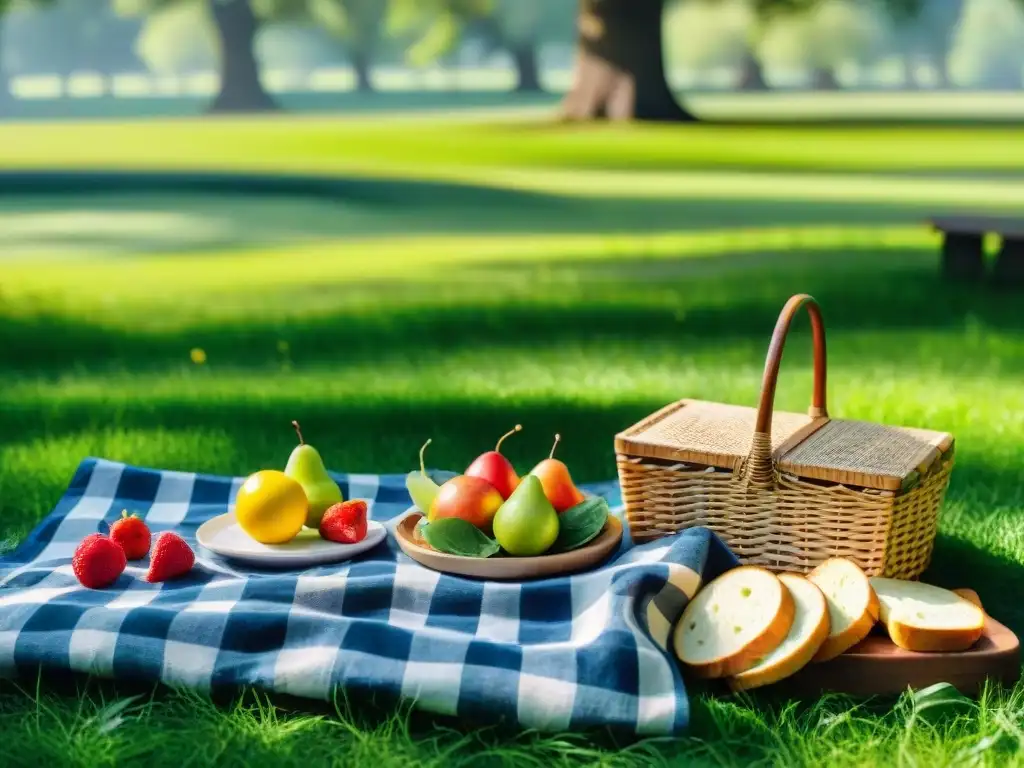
786	490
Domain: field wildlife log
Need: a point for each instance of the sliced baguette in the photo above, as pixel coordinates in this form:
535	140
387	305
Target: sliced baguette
852	605
809	631
733	622
925	618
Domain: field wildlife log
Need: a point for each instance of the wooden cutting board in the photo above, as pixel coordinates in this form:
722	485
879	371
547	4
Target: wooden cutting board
876	666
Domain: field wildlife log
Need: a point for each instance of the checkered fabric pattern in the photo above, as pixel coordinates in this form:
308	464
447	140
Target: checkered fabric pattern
560	653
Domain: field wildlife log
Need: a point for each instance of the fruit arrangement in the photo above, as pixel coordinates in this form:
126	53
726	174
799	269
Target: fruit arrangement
274	506
100	560
754	628
490	510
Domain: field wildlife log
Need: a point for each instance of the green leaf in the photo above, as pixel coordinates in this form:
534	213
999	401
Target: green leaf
458	537
939	702
579	524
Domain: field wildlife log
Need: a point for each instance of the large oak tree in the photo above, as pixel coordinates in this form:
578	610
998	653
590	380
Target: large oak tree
620	72
620	69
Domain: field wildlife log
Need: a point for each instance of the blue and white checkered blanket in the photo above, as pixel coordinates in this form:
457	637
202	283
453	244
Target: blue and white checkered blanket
561	653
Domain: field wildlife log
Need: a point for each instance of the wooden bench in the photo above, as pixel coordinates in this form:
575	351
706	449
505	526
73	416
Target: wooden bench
963	257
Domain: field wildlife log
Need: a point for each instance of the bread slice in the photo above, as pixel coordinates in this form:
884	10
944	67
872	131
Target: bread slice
852	605
970	595
809	631
733	622
922	617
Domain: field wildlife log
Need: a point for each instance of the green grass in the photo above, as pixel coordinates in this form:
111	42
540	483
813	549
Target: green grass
430	145
522	280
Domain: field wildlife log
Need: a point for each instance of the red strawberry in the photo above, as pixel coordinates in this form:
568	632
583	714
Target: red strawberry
132	534
171	558
344	522
98	561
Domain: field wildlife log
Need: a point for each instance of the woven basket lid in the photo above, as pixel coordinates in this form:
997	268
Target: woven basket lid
701	432
864	453
842	451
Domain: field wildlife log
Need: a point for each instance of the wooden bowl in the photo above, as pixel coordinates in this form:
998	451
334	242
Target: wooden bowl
500	567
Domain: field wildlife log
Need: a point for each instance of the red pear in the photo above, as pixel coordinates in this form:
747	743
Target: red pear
557	483
471	498
496	469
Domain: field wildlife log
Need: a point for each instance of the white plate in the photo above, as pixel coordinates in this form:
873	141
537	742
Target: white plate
223	536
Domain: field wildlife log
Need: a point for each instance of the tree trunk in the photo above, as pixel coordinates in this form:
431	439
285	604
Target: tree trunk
240	86
524	56
824	79
361	65
751	74
620	72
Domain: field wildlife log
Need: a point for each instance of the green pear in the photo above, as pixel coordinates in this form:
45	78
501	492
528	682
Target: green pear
422	489
307	468
526	524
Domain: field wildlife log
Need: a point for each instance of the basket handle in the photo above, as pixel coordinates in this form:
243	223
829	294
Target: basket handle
763	425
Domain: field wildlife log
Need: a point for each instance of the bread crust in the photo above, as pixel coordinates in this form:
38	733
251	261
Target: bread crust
797	660
836	645
937	639
746	657
931	640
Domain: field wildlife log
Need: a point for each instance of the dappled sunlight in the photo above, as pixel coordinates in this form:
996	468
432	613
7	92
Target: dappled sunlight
458	278
377	145
336	271
85	232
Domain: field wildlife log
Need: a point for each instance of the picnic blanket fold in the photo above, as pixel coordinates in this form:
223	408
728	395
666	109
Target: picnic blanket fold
578	651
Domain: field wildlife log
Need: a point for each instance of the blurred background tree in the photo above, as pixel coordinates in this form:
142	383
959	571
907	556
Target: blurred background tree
626	50
925	30
356	24
516	28
178	39
825	38
9	56
234	27
988	51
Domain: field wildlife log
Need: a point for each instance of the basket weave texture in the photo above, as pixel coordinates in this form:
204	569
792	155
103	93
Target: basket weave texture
788	491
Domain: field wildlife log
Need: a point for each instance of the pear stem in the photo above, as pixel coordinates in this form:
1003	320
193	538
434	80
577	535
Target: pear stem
423	467
497	448
557	438
298	432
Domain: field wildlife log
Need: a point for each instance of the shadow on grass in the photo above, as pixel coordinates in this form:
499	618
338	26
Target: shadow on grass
998	580
242	204
703	303
379	191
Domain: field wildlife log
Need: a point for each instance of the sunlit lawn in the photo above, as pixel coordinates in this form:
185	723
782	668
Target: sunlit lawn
529	283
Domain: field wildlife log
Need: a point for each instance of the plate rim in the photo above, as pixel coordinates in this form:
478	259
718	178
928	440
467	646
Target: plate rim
218	523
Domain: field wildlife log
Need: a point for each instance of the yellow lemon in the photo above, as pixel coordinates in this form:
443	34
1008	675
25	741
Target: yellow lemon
271	507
